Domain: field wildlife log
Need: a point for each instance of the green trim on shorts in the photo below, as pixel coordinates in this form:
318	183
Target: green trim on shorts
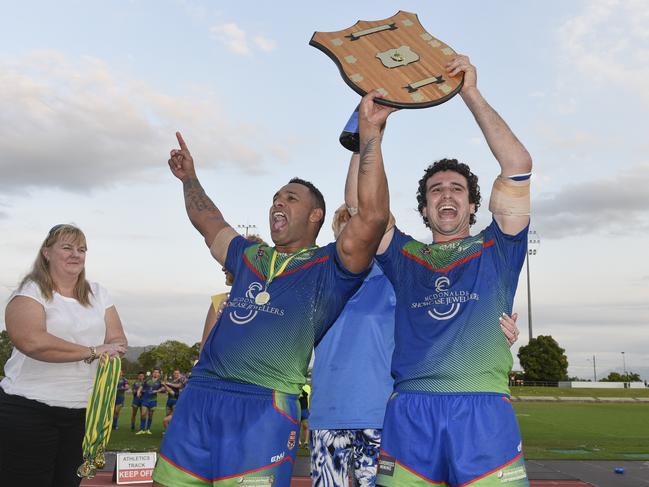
169	475
166	473
392	474
396	475
283	403
512	475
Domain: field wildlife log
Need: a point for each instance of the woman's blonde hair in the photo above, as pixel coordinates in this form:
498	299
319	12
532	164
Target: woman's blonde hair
40	272
341	217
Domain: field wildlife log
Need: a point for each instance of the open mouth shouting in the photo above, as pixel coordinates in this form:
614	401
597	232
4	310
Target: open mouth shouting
447	211
278	221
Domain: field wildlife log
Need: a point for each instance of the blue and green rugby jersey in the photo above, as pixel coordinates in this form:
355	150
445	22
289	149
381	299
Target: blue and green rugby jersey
450	297
270	344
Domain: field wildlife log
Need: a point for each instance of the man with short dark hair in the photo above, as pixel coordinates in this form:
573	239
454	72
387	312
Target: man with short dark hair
150	388
136	404
238	418
450	420
174	387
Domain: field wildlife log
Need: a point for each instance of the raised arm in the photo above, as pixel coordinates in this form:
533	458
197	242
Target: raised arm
506	148
202	212
351	200
359	240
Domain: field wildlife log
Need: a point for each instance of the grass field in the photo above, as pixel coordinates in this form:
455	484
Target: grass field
564	391
584	431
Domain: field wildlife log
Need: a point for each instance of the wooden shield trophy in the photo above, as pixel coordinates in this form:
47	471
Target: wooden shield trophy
395	56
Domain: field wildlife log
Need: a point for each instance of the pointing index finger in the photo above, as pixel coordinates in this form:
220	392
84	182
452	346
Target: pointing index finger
181	141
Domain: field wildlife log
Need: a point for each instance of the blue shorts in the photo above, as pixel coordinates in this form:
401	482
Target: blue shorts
137	402
171	402
150	403
451	439
229	434
304	414
119	400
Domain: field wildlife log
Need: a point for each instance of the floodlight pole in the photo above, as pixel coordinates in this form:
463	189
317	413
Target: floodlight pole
624	365
529	297
594	369
533	242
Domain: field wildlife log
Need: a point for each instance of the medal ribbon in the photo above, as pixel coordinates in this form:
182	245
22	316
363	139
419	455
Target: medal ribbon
271	272
99	415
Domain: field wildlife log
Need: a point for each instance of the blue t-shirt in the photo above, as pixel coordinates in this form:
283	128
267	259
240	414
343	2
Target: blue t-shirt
122	385
177	386
270	344
351	374
150	389
450	297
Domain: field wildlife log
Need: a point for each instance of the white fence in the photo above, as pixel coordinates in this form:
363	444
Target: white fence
603	385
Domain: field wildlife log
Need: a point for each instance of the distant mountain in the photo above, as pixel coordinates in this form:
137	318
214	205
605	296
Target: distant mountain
133	353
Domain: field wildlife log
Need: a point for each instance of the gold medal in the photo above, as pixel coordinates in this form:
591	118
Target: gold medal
100	460
84	470
262	298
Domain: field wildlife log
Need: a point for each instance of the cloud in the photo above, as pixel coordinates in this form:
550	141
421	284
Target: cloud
617	205
608	45
232	36
76	125
265	44
558	139
236	39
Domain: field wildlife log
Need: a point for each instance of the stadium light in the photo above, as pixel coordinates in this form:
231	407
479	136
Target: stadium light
594	368
624	365
533	243
247	227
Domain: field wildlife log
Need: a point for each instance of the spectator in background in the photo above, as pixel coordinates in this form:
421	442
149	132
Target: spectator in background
304	414
150	389
122	387
351	383
136	404
59	324
174	387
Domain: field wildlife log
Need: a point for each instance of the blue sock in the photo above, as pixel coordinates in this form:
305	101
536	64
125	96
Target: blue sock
114	422
132	426
148	422
142	423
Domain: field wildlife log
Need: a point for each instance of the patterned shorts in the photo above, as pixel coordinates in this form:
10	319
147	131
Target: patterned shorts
333	452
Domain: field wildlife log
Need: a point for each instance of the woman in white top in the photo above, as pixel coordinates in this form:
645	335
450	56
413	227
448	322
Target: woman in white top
59	324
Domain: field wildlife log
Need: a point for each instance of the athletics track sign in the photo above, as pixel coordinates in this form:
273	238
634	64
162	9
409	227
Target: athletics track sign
134	468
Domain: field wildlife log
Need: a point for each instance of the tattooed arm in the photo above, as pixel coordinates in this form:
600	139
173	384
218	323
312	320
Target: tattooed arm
359	240
351	201
370	147
202	212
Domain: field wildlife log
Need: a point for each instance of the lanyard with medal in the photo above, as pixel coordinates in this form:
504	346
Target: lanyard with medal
263	297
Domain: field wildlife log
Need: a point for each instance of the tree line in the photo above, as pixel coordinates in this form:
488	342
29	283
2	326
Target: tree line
167	356
542	359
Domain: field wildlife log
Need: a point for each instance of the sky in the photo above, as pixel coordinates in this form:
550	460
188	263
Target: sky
91	94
